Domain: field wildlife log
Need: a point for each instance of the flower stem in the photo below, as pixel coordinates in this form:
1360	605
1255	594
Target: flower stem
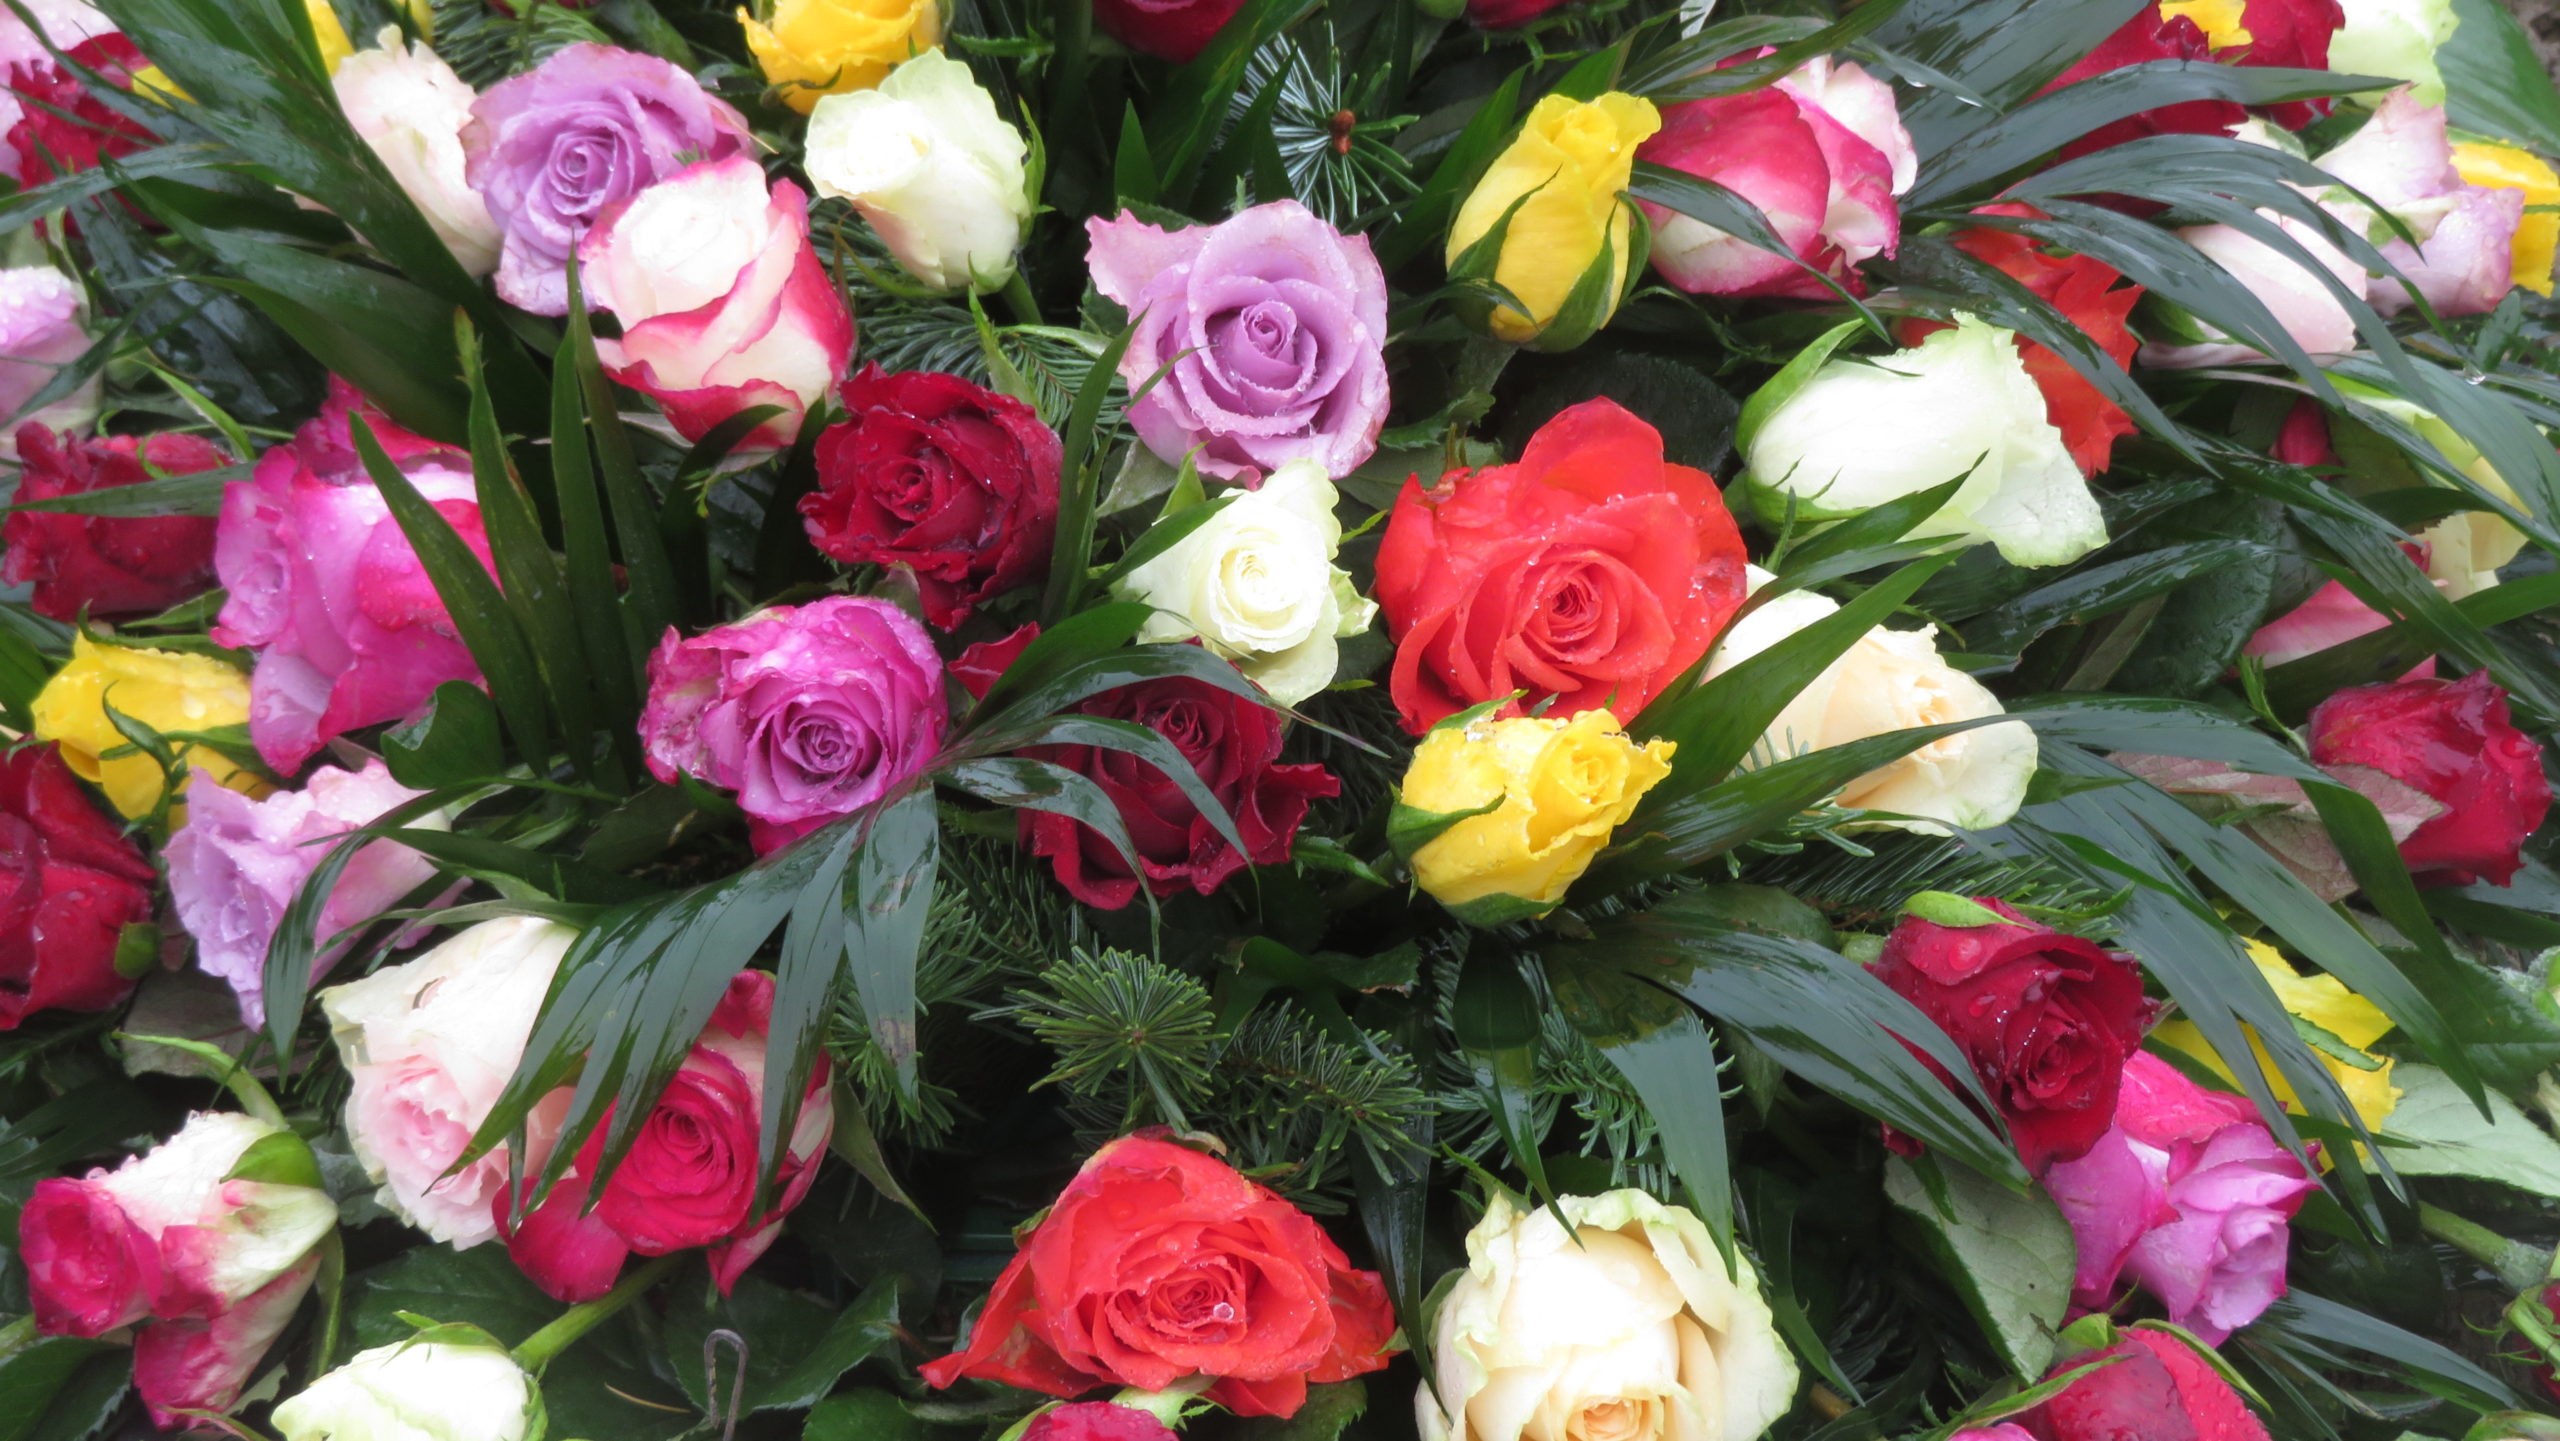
1018	299
578	1320
2519	1266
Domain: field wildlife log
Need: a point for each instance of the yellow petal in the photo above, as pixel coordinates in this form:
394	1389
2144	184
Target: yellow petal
165	690
2222	21
2505	167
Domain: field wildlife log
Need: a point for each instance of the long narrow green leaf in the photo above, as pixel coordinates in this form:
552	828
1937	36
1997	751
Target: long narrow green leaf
887	899
650	607
1079	481
617	665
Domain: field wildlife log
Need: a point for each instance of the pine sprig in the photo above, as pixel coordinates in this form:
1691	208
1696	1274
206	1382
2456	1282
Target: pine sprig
485	45
1861	891
1291	1098
1123	1024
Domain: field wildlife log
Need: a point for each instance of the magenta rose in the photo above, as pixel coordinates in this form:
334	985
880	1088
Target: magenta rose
325	586
808	712
2189	1195
553	149
2453	740
1176	30
1097	1421
1275	324
236	864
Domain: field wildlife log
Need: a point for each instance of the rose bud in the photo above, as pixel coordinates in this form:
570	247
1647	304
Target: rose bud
2402	160
1822	152
1096	1421
2395	39
165	690
1275	326
866	715
107	565
454	1383
1567	241
410	108
1509	14
2454	741
2299	299
1558	790
928	160
70	882
1175	30
1159	1265
1856	433
1628	1324
2189	1195
724	304
2157	1388
41	330
809	49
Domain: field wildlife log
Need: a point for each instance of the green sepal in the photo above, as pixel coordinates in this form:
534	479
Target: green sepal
279	1159
1409	829
222	1066
1490	912
1945	908
137	950
2093	1332
1793	377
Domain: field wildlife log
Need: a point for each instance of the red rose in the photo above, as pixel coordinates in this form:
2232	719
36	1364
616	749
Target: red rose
2161	1391
2147	36
1096	1421
1158	1264
128	565
958	483
1590	571
64	130
1175	30
2086	293
2294	34
2303	439
689	1177
2453	740
2046	1019
69	884
1509	14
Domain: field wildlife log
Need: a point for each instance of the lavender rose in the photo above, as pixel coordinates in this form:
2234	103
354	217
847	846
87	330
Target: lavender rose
551	149
40	332
808	712
1285	319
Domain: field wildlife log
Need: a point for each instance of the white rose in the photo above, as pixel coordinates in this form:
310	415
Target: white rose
1859	433
2464	551
422	1390
680	244
2298	297
428	1046
410	107
930	163
1258	584
1891	680
1626	1329
2395	39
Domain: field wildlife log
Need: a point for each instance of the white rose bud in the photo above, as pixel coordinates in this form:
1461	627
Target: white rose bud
1257	583
1891	680
1628	1327
930	163
2395	39
410	107
420	1390
2301	301
1859	433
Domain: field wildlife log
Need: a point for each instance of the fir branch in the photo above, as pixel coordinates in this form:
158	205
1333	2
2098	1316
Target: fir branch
1127	1025
485	45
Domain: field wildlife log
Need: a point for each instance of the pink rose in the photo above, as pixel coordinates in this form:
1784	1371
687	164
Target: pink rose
1823	154
2005	1431
325	586
724	305
2332	616
236	864
2188	1194
2402	160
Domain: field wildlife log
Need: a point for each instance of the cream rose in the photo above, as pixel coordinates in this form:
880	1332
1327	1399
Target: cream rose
428	1046
410	107
1257	583
452	1384
2397	39
931	164
1891	680
1628	1328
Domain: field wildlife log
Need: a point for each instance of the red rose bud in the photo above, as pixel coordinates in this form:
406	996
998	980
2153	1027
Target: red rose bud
1175	30
979	667
1096	1421
2160	1390
953	481
2452	740
112	565
1509	14
69	884
2046	1019
1157	1265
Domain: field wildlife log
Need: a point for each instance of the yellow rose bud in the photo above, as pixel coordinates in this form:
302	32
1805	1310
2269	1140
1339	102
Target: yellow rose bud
331	35
164	690
2324	1001
1540	798
1565	252
2222	21
813	48
2504	167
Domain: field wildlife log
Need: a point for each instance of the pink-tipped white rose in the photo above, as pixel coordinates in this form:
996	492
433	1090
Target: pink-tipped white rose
428	1046
723	303
410	108
2402	161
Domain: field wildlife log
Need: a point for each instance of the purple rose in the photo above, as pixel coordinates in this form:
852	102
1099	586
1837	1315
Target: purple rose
1285	319
808	712
552	149
236	864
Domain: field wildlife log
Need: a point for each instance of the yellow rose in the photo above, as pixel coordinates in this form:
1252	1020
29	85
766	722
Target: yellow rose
1545	795
331	35
815	48
164	690
2324	1001
2222	21
2504	167
1571	162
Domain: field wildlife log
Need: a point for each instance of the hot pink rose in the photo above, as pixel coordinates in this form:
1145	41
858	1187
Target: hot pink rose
1823	154
2189	1195
724	305
325	586
2157	1388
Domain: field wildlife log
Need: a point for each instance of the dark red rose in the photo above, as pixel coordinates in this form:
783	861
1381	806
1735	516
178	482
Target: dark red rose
1096	1421
114	565
2303	439
1509	14
979	665
1158	1264
69	884
65	129
927	471
1175	30
2046	1019
2453	740
2294	34
2147	36
2161	1391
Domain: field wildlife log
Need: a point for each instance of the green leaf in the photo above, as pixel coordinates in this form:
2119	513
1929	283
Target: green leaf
796	1346
1672	1066
1998	51
1424	222
654	601
872	1415
2103	589
2494	81
2320	1327
1330	1409
199	493
454	741
2453	1139
2010	1256
1712	204
1080	441
886	900
1017	782
618	656
44	1375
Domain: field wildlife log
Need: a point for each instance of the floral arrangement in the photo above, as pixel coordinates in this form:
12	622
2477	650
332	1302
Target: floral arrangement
1079	720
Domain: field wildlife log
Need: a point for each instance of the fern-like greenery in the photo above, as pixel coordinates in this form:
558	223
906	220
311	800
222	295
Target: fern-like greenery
485	45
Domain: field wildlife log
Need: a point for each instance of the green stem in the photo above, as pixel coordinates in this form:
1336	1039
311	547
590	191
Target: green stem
1019	300
538	1348
2519	1266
